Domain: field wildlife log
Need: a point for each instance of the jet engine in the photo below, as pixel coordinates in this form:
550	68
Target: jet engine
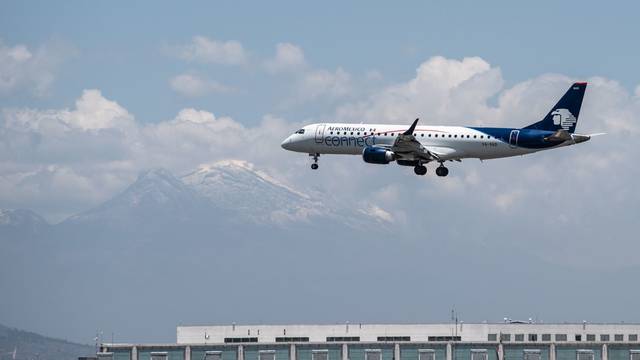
377	155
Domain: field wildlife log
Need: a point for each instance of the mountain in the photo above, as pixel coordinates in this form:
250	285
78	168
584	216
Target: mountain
156	198
169	249
21	345
237	185
20	223
226	192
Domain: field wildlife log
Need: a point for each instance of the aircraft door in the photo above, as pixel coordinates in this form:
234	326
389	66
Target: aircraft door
320	133
513	138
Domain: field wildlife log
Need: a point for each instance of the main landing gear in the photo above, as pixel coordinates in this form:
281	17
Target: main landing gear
442	170
420	170
315	156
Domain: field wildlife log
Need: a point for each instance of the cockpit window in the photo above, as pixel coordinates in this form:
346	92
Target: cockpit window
301	131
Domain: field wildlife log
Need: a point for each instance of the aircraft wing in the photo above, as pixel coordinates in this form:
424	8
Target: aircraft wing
407	147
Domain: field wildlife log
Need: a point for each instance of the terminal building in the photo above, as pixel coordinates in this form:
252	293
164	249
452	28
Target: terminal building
461	341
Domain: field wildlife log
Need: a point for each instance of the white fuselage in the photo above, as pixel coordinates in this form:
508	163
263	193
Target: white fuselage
455	142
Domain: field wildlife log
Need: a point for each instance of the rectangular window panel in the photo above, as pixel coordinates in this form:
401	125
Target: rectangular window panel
320	355
634	355
533	337
591	337
292	339
444	338
241	340
159	355
532	355
546	337
267	355
372	355
618	337
492	337
578	337
561	337
519	337
604	337
584	355
394	338
426	354
633	337
213	355
342	338
479	355
505	337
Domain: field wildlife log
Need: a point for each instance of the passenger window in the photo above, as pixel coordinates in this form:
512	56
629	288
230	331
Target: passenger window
422	135
455	136
481	136
352	133
429	135
474	136
385	134
391	134
449	135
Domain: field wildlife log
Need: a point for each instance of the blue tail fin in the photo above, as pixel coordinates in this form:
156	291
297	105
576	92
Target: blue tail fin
565	114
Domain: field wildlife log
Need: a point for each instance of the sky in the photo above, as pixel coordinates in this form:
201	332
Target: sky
93	93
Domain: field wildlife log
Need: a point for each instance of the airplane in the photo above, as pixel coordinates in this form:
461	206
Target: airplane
419	145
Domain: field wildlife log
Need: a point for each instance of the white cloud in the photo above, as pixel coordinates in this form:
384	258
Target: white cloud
99	144
505	200
317	83
439	89
191	85
377	212
204	50
566	194
32	70
309	83
289	57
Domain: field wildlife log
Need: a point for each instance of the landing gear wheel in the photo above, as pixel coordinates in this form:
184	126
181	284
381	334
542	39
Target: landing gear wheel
315	156
420	170
442	171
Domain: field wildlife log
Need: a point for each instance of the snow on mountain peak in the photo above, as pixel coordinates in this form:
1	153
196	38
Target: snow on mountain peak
237	184
238	167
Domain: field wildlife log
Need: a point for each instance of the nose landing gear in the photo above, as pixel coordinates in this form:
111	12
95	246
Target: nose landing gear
315	156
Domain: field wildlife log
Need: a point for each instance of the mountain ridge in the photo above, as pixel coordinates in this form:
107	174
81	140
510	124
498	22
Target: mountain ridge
19	344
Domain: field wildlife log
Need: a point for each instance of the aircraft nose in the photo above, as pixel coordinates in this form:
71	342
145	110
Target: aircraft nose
286	144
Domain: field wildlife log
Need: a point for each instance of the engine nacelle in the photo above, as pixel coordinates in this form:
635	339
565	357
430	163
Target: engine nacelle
376	155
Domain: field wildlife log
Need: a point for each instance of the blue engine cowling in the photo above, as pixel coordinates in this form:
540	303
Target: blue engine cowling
376	155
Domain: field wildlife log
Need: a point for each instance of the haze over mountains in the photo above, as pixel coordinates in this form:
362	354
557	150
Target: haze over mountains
132	251
228	243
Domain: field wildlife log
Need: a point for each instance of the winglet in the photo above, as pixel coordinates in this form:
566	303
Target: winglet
411	128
